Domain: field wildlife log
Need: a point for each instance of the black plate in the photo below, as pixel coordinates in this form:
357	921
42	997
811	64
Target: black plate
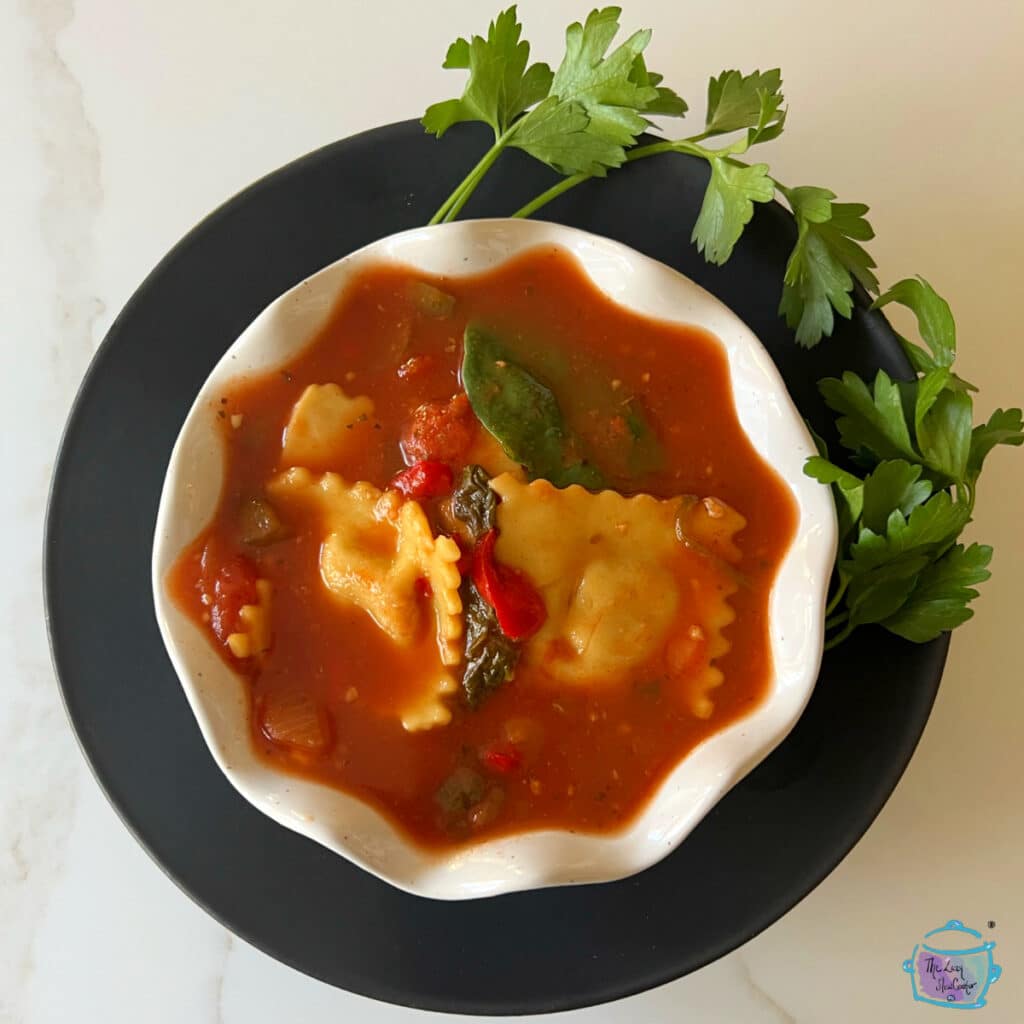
763	848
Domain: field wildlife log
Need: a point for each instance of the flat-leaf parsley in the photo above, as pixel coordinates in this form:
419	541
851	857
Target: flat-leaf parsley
906	486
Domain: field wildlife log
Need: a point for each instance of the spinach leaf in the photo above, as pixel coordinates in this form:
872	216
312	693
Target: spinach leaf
522	414
474	502
490	657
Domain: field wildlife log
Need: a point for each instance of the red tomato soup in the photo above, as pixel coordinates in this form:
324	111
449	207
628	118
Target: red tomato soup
492	553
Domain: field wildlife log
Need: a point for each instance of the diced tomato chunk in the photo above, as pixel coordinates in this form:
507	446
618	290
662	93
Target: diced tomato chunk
441	431
228	586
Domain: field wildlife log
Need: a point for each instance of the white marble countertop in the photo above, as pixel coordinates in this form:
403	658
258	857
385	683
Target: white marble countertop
124	123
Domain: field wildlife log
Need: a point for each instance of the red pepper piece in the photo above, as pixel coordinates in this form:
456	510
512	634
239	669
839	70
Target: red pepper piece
429	479
518	606
504	760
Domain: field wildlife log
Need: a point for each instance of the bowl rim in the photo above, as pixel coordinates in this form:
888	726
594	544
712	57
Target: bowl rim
545	857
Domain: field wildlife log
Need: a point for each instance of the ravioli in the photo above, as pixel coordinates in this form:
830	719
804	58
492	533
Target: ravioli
254	637
618	583
430	709
488	453
376	548
323	425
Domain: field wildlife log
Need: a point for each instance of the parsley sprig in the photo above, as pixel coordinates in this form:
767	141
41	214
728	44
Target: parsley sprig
827	259
578	119
584	119
907	486
916	459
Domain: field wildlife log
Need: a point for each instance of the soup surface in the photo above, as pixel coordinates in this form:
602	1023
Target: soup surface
492	553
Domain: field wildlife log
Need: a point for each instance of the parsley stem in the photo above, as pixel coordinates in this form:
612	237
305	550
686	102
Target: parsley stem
552	193
447	204
667	146
971	494
475	176
450	208
467	183
637	153
443	209
836	597
835	620
839	637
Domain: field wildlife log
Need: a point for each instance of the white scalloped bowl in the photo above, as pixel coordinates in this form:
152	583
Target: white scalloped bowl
534	859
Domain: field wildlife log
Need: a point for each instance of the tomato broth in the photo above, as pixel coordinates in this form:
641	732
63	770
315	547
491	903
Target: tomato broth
533	752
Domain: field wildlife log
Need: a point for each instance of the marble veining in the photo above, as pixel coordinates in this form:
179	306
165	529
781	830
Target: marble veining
67	213
62	160
764	999
218	995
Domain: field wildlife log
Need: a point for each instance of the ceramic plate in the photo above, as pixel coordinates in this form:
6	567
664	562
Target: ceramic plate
544	857
758	852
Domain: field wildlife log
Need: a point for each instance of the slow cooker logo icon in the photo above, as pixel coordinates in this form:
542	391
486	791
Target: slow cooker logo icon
952	967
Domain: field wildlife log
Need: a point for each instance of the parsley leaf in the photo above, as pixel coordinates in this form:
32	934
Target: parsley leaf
943	591
929	387
578	119
935	324
501	86
735	102
934	319
754	101
930	526
874	596
874	421
819	467
728	206
558	134
609	88
825	262
892	485
944	434
882	567
848	488
666	100
842	233
1005	426
899	562
770	121
871	419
